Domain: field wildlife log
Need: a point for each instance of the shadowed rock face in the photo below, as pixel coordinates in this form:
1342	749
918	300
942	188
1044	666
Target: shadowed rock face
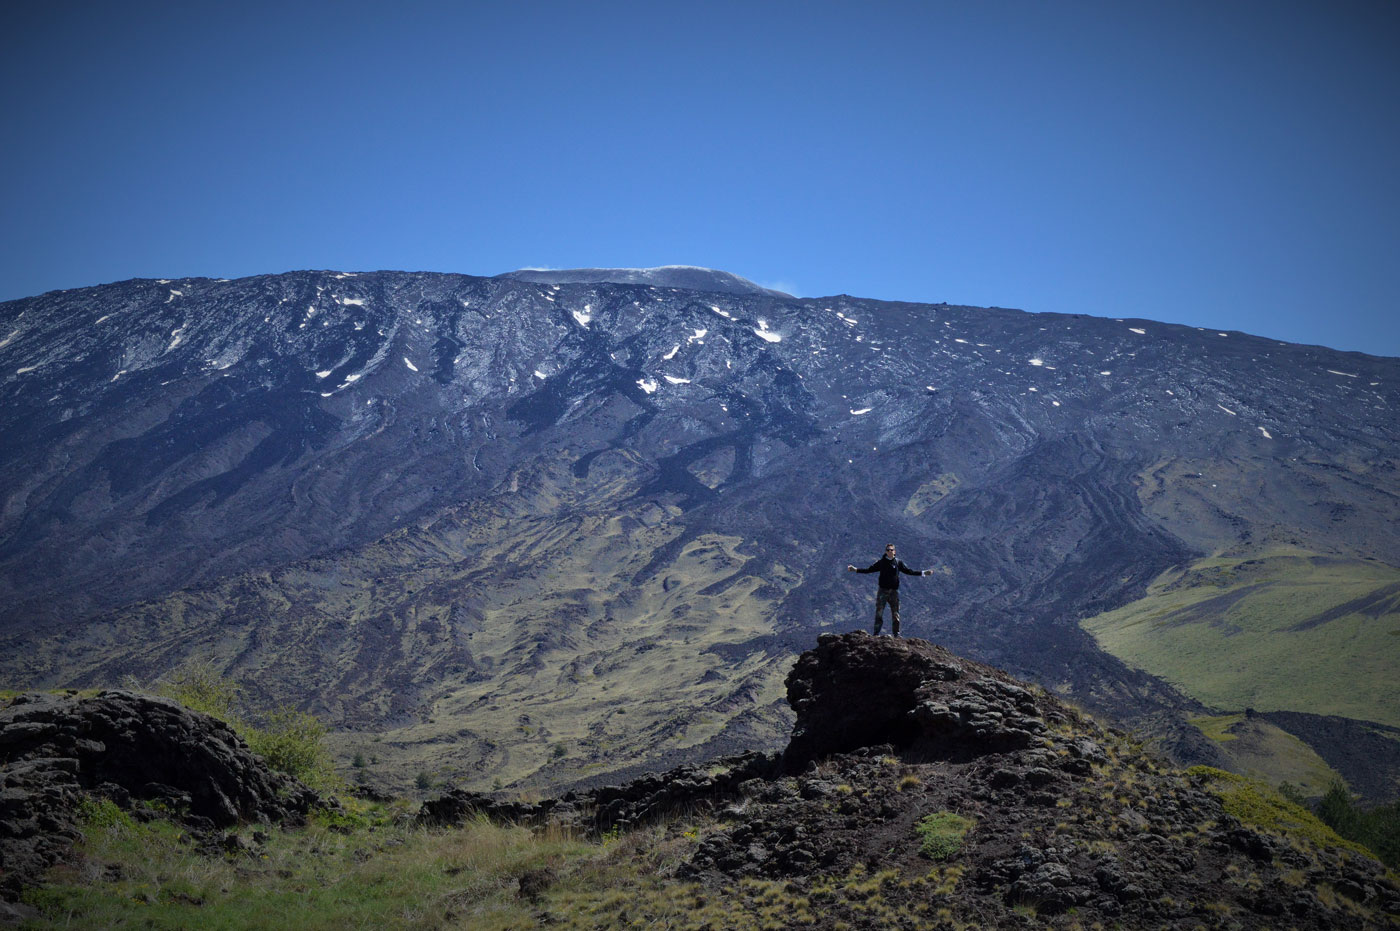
55	750
345	489
855	690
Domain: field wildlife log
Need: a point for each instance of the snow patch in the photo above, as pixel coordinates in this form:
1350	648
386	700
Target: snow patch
352	301
863	410
410	365
11	338
1105	373
648	385
672	354
26	370
1227	410
1139	332
581	317
1261	429
676	381
540	375
699	335
764	333
722	313
1347	374
119	374
174	294
1037	362
325	374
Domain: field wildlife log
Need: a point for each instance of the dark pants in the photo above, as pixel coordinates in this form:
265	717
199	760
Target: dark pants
886	596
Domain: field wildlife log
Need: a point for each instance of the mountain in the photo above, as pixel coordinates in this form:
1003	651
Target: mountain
679	277
542	533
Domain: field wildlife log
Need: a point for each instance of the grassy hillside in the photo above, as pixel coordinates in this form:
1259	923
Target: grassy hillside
560	630
1260	749
372	866
1284	631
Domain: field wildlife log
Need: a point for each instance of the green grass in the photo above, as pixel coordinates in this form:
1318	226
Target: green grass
374	870
326	876
1260	749
941	834
1281	632
1257	804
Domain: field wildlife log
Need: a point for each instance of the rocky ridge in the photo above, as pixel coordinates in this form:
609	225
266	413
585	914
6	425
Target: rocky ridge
1062	813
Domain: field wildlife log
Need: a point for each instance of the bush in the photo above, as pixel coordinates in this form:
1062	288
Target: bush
942	833
291	742
202	687
1377	829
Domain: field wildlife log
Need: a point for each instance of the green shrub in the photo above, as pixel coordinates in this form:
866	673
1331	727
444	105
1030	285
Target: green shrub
202	687
291	742
942	833
1378	829
102	814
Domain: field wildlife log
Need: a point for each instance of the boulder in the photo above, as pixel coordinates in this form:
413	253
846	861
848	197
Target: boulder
855	690
56	750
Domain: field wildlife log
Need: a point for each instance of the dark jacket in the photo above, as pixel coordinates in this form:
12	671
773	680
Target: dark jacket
889	570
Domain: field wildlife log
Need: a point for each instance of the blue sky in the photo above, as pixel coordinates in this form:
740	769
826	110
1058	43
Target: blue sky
1226	165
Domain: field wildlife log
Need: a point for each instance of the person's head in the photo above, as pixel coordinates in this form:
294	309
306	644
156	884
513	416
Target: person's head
889	550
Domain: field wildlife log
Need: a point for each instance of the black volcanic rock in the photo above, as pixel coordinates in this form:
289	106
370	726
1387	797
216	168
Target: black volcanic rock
855	690
56	751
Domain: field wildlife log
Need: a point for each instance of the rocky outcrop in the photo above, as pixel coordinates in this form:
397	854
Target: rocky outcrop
56	750
653	796
855	690
1058	813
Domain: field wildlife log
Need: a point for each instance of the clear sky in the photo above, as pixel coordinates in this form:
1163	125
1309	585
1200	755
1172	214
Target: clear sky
1230	165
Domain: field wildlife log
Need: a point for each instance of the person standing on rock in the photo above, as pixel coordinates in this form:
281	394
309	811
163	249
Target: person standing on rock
889	566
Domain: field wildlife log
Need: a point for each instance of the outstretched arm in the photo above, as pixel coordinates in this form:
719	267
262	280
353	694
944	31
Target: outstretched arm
870	568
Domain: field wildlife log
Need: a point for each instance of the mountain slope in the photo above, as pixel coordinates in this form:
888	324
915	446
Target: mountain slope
431	506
